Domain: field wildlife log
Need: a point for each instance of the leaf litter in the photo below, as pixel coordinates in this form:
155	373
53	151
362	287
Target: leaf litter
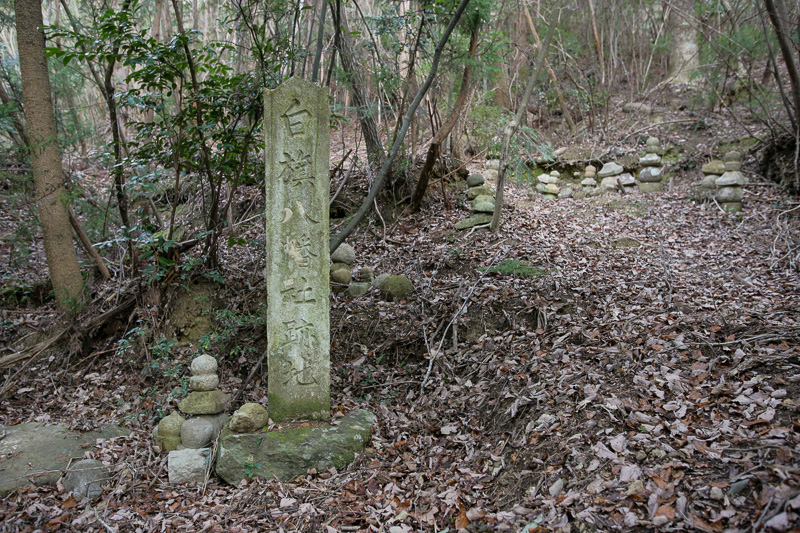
625	388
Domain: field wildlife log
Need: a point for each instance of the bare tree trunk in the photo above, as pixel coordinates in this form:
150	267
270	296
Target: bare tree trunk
398	141
458	109
62	260
369	128
511	129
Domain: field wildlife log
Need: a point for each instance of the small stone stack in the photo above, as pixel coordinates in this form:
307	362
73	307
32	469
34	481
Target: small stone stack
480	195
359	288
651	175
492	169
341	260
548	185
589	182
188	440
711	171
608	175
729	185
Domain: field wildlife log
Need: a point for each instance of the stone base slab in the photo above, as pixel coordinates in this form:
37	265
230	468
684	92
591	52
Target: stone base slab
292	450
651	187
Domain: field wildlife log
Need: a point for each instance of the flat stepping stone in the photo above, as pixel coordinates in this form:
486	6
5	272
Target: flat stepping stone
38	454
474	220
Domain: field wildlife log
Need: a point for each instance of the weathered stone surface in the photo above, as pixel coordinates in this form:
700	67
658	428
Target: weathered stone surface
344	254
544	179
475	180
196	433
188	465
378	281
296	130
731	178
566	192
396	288
555	174
579	195
589	182
203	365
482	198
626	180
217	421
715	166
491	175
249	418
33	453
338	266
493	164
204	402
590	169
479	191
733	155
731	207
552	188
651	187
637	107
650	175
549	196
168	434
291	452
85	479
730	194
609	182
610	169
356	290
342	276
652	141
483	207
474	220
366	274
709	182
650	160
731	166
204	382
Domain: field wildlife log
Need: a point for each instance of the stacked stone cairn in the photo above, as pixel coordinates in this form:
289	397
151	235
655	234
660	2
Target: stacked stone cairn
608	175
548	185
481	198
589	183
652	173
729	185
711	171
492	169
189	440
341	261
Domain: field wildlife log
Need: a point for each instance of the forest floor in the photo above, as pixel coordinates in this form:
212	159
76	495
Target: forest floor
642	373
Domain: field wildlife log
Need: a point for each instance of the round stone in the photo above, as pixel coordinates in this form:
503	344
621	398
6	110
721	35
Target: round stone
344	254
732	207
709	182
203	365
733	155
366	274
715	166
650	175
589	182
493	164
204	382
356	290
555	174
378	281
168	434
396	288
491	174
483	207
626	180
543	178
730	194
650	160
731	166
652	141
590	168
249	418
566	192
475	180
196	433
552	188
342	276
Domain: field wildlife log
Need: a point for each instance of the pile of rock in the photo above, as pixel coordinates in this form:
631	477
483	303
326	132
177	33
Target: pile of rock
492	169
711	171
188	440
608	175
548	185
480	195
729	185
589	183
652	173
341	260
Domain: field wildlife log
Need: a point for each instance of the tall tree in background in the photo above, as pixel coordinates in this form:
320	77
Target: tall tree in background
62	261
684	56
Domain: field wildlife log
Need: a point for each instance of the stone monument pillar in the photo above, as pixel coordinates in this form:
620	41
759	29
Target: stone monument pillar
296	126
